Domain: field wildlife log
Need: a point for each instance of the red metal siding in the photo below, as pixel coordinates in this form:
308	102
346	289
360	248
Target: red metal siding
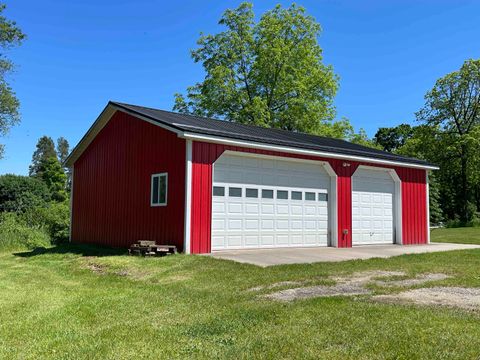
414	205
414	210
111	185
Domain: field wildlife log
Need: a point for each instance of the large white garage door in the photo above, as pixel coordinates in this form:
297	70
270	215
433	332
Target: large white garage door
265	202
372	207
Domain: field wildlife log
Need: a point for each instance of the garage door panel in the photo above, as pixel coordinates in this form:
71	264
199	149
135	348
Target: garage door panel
235	208
323	211
218	224
282	224
282	239
296	224
267	209
273	219
252	209
282	209
296	210
372	207
218	208
251	240
235	224
310	210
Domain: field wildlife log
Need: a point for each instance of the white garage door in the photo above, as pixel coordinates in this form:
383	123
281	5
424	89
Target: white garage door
265	202
372	207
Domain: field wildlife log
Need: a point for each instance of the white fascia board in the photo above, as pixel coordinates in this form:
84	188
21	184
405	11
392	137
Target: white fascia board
291	150
71	204
188	197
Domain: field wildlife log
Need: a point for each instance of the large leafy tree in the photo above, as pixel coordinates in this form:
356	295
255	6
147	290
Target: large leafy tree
452	108
268	73
10	35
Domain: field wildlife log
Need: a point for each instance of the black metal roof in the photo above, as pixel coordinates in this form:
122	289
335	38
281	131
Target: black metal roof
226	129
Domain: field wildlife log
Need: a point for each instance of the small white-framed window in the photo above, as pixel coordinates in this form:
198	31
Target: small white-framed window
159	190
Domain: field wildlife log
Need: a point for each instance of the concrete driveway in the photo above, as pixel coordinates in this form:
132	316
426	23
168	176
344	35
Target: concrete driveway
269	257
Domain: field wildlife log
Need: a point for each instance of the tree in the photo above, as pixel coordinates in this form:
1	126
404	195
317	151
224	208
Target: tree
392	138
45	149
62	149
453	107
268	73
19	193
436	212
361	138
10	35
52	174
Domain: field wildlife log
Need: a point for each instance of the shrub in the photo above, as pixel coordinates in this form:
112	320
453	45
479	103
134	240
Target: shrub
55	219
15	234
19	193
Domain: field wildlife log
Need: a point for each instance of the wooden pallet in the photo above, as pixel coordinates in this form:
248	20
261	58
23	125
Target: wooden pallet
150	248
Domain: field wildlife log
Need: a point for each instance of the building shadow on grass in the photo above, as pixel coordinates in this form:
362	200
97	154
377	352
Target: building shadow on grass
82	250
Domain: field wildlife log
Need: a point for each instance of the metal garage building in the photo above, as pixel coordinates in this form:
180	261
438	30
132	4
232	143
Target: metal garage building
206	185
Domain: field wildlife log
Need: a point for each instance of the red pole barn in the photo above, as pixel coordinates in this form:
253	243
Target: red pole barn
206	185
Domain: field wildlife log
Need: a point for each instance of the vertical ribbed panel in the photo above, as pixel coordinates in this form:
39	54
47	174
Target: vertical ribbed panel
414	211
111	202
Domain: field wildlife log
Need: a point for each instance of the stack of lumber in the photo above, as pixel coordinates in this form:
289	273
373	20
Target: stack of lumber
150	248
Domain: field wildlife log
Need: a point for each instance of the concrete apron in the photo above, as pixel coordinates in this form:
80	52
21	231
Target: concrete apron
282	256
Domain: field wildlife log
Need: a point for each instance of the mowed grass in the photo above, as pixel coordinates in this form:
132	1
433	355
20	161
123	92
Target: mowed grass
456	235
77	302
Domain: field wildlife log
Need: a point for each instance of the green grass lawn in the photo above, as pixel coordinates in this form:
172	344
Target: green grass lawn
456	235
79	302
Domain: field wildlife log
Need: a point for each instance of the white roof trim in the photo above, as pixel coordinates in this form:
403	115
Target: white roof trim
291	150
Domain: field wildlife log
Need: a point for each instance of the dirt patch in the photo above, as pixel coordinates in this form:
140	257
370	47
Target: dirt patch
346	286
418	280
465	298
277	285
365	277
96	268
317	291
121	273
357	278
351	285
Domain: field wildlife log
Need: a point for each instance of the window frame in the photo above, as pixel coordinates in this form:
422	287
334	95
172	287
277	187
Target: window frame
159	176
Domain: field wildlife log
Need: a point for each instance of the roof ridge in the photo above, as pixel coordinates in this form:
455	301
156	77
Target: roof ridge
236	130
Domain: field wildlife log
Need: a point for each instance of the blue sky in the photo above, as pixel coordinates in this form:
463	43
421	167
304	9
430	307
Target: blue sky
80	54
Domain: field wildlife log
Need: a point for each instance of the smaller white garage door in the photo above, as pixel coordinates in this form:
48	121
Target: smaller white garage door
373	195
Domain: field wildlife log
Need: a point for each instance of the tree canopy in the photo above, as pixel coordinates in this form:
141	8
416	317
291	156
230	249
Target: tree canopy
268	73
10	35
452	110
393	138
